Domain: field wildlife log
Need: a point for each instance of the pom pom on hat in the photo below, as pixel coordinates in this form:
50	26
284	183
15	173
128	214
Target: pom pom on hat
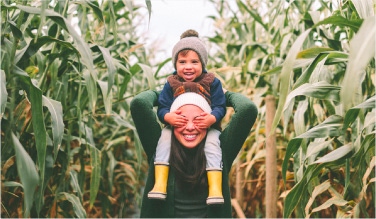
191	98
189	40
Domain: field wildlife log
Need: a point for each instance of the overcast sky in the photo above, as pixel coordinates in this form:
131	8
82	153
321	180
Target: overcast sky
170	18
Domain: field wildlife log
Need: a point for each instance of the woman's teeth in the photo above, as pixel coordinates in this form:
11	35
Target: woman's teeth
189	136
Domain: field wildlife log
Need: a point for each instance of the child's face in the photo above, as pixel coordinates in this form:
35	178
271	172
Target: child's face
188	65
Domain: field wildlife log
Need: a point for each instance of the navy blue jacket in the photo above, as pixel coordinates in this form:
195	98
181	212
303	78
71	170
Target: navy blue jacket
217	97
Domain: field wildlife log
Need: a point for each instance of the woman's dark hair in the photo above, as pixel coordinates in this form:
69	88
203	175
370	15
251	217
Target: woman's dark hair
189	164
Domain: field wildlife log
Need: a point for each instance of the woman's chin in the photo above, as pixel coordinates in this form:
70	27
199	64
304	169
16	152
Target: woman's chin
189	144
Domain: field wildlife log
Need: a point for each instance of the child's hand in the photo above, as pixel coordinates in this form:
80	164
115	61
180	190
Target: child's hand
204	121
175	119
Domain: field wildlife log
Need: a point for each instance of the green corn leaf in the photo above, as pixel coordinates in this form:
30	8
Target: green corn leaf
107	96
42	24
298	63
161	65
314	148
286	75
149	75
95	7
111	167
291	148
352	114
254	14
330	127
35	97
304	78
17	33
299	121
335	57
3	93
34	45
80	44
369	122
74	183
124	85
320	90
91	88
336	154
313	52
12	184
340	21
362	50
95	163
123	122
362	149
111	68
28	174
76	204
56	111
294	197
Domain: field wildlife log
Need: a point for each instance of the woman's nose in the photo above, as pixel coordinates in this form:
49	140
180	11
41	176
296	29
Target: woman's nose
190	125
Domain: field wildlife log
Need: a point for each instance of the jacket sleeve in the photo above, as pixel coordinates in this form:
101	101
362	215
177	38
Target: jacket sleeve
145	120
218	100
165	99
238	129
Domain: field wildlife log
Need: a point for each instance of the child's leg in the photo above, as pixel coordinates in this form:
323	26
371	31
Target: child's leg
161	165
162	154
213	153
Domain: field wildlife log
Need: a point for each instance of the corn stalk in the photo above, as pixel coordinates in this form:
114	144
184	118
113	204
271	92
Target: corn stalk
68	69
305	53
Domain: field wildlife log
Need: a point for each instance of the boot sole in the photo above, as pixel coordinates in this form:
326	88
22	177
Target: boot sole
215	201
157	195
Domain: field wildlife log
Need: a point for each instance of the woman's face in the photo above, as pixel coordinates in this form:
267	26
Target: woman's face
188	65
190	136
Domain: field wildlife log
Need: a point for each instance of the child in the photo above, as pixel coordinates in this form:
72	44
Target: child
189	57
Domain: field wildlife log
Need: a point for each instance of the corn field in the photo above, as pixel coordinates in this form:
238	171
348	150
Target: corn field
69	70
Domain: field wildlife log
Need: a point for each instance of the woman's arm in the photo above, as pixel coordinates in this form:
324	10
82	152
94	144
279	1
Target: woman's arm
145	120
237	130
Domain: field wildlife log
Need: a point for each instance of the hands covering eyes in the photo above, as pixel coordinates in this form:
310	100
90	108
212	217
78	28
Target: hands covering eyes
203	121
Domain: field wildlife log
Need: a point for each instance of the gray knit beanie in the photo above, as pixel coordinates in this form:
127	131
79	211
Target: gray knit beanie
189	40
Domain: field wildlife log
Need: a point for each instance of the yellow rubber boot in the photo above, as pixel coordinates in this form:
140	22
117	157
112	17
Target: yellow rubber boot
160	186
215	188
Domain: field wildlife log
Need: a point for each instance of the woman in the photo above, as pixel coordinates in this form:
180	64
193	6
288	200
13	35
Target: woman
186	197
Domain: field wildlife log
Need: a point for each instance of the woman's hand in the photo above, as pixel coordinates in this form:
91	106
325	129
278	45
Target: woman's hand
175	119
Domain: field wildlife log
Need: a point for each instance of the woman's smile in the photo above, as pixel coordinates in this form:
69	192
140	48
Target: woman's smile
190	137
